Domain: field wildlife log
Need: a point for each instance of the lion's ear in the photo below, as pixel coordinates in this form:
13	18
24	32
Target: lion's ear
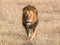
24	11
35	11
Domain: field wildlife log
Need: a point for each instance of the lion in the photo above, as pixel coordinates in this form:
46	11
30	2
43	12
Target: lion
30	21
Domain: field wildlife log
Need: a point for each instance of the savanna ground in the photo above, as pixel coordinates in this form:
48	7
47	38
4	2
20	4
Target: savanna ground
13	33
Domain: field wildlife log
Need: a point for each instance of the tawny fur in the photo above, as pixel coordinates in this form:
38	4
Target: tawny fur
30	20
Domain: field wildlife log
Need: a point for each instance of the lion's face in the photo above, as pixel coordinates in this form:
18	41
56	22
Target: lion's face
30	15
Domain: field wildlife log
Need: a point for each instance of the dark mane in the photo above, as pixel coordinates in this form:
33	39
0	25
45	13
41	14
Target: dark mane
29	7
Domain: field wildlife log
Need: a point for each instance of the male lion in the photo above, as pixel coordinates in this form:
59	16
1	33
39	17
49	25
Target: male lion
30	20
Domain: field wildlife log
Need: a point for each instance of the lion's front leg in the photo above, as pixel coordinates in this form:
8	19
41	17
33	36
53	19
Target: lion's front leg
28	33
33	34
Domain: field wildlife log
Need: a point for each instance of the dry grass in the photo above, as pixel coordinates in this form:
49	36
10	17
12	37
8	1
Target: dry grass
13	33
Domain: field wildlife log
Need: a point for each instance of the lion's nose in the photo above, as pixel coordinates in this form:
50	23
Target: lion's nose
29	17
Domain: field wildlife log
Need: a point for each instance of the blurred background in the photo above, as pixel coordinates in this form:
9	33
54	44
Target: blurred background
13	33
